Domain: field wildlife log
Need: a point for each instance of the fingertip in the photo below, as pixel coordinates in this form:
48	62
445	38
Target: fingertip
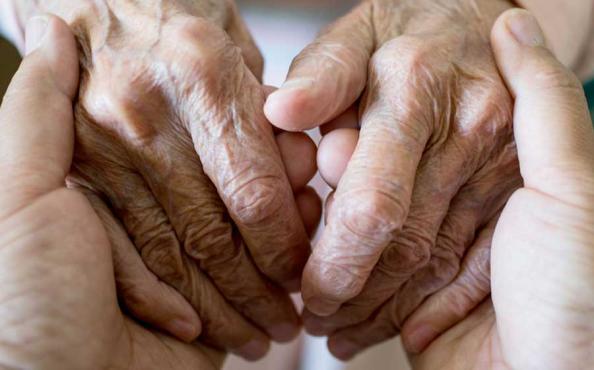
335	152
187	331
284	332
417	337
342	349
293	106
310	207
253	350
313	324
298	152
322	306
316	297
327	285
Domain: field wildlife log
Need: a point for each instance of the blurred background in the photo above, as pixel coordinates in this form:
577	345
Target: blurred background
281	29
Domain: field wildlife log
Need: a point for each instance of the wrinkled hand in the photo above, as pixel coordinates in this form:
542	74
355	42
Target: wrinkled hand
170	132
542	312
434	162
58	305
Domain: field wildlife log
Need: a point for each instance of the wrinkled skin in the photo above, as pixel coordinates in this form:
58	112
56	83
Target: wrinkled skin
170	132
541	314
434	163
58	305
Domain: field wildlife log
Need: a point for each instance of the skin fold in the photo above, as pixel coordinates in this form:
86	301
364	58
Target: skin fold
434	163
58	304
171	136
540	315
172	140
444	305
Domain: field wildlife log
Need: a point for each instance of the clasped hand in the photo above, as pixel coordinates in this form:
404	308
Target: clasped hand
211	204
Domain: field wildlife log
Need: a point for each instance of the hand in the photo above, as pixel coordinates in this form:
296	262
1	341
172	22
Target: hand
170	132
542	311
58	305
435	160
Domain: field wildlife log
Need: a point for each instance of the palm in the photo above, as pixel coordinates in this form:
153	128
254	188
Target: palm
471	345
70	317
552	253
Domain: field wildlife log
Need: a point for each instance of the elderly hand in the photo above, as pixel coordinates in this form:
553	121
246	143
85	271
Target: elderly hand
434	163
170	132
58	305
542	311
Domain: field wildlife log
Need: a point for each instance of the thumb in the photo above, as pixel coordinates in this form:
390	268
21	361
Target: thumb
327	77
36	119
552	125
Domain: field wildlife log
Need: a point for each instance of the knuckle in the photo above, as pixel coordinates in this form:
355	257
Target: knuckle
210	243
409	253
336	280
466	295
124	99
203	57
160	252
405	56
256	200
373	216
450	241
494	117
479	271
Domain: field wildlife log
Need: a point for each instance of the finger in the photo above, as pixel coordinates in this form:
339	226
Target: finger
156	241
327	77
310	208
347	343
475	204
347	119
239	33
453	303
202	225
246	167
298	152
144	295
36	124
374	195
335	152
425	255
552	125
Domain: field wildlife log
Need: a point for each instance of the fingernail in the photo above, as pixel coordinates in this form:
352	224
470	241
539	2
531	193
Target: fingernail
35	33
321	307
419	338
253	350
283	332
184	330
525	28
343	350
298	84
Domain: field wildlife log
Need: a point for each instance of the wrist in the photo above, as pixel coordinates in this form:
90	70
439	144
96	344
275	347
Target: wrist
566	24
